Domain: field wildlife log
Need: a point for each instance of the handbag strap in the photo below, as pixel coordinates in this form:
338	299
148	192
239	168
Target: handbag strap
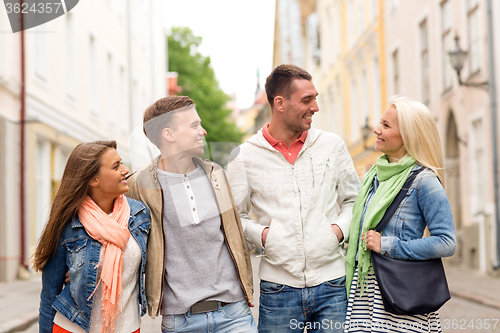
395	203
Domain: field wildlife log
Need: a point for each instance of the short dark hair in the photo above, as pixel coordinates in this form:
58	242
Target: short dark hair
163	107
279	82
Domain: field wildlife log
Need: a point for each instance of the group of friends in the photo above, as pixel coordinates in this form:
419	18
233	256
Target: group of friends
174	238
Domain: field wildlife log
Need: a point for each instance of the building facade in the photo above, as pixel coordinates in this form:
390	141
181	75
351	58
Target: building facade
89	75
361	52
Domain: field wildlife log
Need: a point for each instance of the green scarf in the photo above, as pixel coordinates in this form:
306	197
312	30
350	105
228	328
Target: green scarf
392	177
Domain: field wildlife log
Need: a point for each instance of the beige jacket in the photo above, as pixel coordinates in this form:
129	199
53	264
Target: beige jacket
145	186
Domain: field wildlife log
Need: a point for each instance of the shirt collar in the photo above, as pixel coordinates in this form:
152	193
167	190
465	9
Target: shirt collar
273	142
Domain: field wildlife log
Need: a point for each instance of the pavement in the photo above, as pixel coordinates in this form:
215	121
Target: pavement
19	300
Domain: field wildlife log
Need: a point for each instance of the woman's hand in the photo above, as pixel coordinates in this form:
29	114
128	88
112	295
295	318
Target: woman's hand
373	241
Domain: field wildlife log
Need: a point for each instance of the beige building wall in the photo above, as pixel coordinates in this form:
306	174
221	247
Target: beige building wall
418	37
90	74
352	84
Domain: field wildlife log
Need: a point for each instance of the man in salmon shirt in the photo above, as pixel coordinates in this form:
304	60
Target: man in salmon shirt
302	184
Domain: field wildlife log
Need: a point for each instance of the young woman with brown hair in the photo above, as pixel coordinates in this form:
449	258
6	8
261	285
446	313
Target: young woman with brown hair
88	235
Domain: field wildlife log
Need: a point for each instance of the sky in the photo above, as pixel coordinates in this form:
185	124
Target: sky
237	35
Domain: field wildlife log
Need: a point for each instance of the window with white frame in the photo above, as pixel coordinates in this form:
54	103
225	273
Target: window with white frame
110	98
43	186
364	96
360	13
338	29
355	128
377	98
339	120
123	102
394	6
333	110
93	80
424	61
70	57
447	43
350	23
41	53
331	22
478	182
374	9
395	72
474	36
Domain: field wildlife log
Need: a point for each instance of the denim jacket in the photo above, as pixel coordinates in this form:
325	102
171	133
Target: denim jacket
78	253
425	204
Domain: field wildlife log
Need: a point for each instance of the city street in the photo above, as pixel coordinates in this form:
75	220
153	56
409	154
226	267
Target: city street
459	315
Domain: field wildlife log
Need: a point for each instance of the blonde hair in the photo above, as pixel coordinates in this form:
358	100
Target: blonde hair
420	135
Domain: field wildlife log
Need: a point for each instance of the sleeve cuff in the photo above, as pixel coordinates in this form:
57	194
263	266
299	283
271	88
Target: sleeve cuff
254	232
387	245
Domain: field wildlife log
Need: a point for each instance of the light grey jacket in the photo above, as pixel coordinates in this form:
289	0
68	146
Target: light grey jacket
298	203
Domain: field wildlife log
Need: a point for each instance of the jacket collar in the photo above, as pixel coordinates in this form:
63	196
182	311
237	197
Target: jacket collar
135	208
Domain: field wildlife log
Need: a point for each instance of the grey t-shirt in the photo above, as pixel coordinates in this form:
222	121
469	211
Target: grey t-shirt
198	266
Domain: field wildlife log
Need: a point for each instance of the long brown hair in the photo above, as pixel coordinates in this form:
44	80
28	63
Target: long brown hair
83	165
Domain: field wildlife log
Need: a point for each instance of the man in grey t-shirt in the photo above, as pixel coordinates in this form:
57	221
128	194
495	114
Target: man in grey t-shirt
198	273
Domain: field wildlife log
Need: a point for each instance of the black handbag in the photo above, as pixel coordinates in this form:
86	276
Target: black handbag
409	287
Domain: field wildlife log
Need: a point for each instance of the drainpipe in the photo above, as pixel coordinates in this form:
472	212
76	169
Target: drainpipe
493	111
22	148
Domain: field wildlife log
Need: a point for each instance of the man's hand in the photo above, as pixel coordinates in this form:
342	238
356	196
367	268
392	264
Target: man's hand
264	236
66	281
338	232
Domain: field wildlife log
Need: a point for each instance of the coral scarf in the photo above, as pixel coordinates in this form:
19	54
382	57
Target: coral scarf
112	232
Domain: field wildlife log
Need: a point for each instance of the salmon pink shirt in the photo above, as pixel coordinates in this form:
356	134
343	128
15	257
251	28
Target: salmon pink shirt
291	152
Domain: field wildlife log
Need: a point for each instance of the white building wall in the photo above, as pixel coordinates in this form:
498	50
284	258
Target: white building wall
90	75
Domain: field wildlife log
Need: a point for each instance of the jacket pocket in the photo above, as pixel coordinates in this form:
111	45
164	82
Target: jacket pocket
76	252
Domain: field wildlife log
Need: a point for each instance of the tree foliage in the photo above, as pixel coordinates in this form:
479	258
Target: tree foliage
197	79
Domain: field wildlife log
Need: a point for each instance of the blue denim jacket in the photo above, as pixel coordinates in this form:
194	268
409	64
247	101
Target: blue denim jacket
79	253
425	204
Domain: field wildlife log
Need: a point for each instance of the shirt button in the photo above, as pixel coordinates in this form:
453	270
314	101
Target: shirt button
281	144
289	154
191	198
188	186
137	232
194	209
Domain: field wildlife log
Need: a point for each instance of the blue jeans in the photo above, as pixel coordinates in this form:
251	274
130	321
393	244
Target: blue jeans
234	317
317	309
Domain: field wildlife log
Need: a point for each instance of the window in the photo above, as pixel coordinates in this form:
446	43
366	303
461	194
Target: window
424	61
374	9
377	98
42	183
70	58
478	159
93	81
339	119
474	37
110	98
394	6
355	128
395	72
361	16
364	96
122	102
331	22
350	23
41	58
447	42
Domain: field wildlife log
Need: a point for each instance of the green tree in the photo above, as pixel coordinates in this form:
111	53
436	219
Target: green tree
197	79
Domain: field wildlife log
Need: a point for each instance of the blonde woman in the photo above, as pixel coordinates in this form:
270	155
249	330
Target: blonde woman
99	236
408	138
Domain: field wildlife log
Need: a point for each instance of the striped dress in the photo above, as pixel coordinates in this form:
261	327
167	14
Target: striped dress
365	313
